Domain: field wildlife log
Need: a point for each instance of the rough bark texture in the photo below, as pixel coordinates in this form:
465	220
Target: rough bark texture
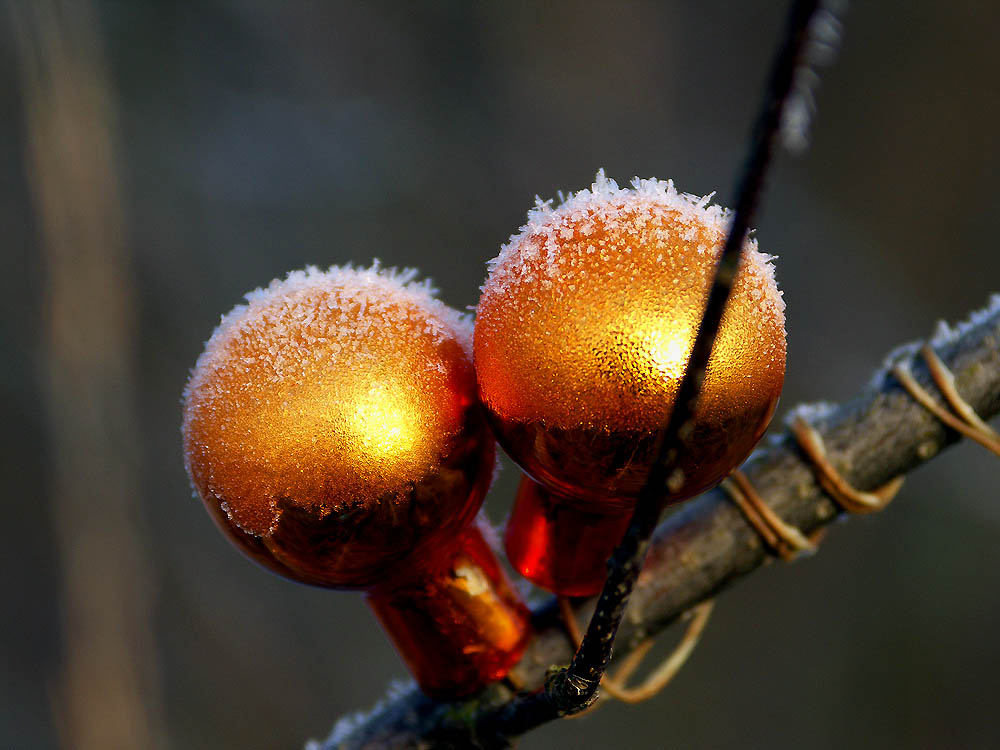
707	544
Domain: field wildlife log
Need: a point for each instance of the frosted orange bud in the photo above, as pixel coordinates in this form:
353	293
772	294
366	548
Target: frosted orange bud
583	331
332	429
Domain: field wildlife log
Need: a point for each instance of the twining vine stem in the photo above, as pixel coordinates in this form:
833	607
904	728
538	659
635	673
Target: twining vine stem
573	689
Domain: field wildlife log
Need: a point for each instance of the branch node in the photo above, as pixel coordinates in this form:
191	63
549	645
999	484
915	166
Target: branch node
660	677
570	693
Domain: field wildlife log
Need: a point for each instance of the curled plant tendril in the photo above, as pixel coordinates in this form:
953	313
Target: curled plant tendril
964	419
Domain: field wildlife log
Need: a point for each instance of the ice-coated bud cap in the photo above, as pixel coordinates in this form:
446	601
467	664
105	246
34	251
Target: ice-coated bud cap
331	425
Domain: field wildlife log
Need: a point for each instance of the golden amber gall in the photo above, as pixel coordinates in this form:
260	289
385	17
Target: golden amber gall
585	326
331	425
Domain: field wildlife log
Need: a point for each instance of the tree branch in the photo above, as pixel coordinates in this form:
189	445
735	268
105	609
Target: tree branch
708	544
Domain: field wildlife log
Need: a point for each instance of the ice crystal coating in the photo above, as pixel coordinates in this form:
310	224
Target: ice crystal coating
811	413
587	320
327	390
620	220
946	334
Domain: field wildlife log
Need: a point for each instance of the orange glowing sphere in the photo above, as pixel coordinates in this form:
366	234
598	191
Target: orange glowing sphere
584	329
331	425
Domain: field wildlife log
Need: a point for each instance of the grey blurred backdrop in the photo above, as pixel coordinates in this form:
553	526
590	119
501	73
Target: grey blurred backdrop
162	158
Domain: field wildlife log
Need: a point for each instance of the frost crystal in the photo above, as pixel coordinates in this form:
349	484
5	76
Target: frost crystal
621	212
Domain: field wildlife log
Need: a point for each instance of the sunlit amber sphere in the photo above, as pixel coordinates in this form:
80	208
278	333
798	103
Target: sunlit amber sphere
331	425
584	329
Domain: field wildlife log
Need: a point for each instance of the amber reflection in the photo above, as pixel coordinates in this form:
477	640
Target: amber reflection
458	624
332	430
582	337
555	544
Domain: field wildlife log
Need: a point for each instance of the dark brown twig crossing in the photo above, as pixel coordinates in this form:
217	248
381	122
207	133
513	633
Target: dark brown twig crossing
573	689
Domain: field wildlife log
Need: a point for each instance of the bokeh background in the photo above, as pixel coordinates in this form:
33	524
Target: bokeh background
159	159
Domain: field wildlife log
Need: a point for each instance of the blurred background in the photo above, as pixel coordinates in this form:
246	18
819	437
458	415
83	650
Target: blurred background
160	159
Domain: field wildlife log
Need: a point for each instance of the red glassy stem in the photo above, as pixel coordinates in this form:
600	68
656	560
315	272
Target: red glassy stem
454	618
560	546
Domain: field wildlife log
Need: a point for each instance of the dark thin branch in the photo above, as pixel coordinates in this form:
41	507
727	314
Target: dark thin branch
573	689
708	544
